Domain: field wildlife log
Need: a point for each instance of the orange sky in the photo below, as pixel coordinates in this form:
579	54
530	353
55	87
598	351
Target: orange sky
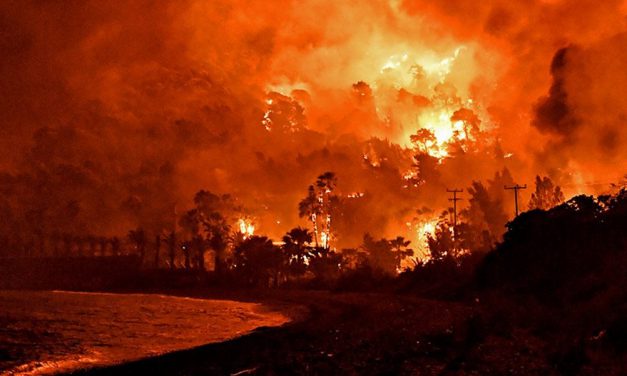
131	107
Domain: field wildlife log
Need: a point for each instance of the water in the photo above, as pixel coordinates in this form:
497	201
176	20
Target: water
48	332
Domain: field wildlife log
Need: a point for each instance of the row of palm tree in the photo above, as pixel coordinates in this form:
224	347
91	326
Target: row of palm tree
259	261
64	245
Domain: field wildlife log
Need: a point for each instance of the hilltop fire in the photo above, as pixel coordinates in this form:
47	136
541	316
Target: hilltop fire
400	100
403	172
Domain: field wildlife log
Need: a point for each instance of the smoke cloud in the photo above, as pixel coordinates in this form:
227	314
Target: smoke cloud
114	114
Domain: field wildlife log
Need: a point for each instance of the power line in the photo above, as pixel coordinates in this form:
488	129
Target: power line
454	191
516	188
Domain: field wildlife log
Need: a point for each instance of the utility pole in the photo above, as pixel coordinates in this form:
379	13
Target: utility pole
516	188
454	199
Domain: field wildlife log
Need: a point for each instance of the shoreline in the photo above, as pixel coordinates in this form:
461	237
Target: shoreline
341	332
263	314
359	333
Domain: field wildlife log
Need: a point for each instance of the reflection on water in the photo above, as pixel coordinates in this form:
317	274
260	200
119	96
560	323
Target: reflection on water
47	332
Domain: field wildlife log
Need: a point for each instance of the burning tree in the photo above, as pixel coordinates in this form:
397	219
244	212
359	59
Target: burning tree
424	140
283	114
318	206
441	242
309	207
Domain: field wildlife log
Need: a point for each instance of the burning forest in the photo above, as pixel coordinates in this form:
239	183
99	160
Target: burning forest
397	144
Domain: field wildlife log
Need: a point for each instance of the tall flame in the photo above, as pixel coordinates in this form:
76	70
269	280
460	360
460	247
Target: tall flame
246	227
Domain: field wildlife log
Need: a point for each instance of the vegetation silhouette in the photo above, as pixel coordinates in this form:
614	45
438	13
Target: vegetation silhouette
558	266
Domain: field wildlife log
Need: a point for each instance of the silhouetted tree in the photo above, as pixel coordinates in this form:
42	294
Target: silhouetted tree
325	264
441	243
423	139
401	251
190	222
310	207
138	238
257	260
354	258
485	212
171	242
426	168
560	247
319	205
386	255
296	248
546	194
186	247
199	247
157	249
214	212
285	115
325	185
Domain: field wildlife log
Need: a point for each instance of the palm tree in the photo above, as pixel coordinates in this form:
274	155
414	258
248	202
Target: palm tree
310	207
325	185
138	238
199	245
318	205
210	216
171	242
190	222
258	260
296	248
157	249
219	242
186	247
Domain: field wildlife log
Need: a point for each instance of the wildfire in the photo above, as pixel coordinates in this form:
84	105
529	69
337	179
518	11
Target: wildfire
355	195
267	121
445	131
424	228
412	178
284	113
246	227
434	113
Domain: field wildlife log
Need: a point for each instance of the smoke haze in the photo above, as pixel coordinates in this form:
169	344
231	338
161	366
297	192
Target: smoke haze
115	113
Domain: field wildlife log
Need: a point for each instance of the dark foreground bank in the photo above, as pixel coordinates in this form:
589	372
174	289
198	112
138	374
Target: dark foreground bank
372	334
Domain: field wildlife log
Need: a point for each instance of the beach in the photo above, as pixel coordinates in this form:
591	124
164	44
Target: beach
51	332
361	334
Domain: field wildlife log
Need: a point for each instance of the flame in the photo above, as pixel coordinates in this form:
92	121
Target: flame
355	195
324	239
423	229
427	100
444	130
246	227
